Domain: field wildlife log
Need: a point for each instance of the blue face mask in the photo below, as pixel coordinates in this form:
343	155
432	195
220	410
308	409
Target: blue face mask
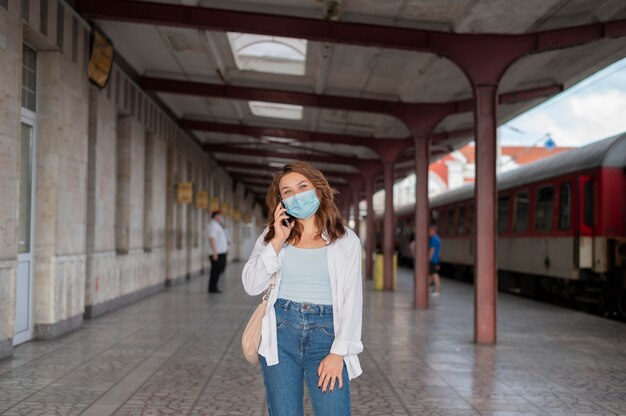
303	205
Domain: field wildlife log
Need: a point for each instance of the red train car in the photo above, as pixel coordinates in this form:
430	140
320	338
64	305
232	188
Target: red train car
561	227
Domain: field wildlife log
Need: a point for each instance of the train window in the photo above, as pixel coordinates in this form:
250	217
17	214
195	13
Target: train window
503	214
460	220
565	205
521	211
470	218
588	203
544	208
450	221
440	218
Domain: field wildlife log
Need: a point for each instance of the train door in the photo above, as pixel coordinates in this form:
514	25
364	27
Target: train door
586	197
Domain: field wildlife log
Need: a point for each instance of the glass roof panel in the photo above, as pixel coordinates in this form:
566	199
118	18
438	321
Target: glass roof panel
276	110
274	54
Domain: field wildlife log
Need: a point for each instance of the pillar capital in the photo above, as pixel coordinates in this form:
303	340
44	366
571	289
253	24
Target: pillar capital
390	149
369	168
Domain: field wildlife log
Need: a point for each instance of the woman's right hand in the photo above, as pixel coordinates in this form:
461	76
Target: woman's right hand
281	232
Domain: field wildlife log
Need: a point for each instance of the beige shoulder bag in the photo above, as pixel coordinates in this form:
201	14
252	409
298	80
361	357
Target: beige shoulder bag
251	337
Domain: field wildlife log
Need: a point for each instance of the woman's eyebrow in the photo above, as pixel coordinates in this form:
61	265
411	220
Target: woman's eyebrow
287	187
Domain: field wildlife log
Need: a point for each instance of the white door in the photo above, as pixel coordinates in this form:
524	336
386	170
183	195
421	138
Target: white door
24	277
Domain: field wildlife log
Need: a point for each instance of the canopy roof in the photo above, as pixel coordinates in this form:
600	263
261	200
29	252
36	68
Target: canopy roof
335	65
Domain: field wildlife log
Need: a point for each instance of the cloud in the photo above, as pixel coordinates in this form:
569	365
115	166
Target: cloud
575	120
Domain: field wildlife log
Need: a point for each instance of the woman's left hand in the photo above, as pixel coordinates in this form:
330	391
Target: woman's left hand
330	368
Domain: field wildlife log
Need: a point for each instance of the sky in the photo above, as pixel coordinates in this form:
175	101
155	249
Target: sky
591	110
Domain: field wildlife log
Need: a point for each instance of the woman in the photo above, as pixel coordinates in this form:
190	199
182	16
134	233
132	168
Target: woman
311	331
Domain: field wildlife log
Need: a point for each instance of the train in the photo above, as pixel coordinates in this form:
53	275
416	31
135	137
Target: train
561	229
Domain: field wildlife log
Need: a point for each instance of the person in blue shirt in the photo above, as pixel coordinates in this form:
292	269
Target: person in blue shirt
434	248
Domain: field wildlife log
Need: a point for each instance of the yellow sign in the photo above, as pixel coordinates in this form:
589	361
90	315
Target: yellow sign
185	193
202	200
215	204
225	209
237	215
100	59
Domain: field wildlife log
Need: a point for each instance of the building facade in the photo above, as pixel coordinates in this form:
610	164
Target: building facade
89	215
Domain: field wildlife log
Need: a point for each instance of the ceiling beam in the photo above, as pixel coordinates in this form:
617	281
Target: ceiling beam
441	43
308	136
253	165
307	99
288	156
258	131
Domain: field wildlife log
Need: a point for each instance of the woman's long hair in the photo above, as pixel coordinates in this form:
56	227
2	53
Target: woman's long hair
327	216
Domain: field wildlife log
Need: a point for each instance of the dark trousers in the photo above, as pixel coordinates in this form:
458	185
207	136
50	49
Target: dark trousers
217	267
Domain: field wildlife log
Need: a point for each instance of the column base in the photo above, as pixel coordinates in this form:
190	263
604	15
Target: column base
6	348
52	331
93	311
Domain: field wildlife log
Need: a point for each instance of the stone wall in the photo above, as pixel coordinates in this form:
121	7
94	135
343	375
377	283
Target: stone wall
129	175
108	227
10	96
62	132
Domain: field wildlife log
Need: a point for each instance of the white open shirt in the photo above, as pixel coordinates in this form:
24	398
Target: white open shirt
344	267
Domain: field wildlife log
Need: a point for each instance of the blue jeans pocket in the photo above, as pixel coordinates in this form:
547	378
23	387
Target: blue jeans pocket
328	330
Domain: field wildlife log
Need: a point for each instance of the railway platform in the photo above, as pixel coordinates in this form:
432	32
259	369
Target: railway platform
178	353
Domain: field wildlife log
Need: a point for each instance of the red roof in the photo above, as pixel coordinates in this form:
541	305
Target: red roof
522	155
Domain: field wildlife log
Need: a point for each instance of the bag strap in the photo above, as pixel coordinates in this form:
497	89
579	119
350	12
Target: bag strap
266	295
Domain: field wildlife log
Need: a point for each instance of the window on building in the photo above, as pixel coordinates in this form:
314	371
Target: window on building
122	188
29	78
503	214
565	206
521	212
460	220
25	202
148	223
544	208
450	221
273	54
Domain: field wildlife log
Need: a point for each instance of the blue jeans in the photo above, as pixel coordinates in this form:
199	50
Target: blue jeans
305	334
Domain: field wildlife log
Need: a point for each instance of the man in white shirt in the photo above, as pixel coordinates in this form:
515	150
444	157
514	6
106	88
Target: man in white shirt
218	246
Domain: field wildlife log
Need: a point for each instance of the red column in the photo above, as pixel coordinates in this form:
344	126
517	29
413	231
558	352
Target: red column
388	227
370	230
422	153
485	273
485	62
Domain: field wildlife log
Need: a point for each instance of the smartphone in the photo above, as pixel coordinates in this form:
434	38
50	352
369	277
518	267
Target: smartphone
290	218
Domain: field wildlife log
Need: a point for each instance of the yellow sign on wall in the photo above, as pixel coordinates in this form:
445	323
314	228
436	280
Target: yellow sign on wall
202	200
215	204
185	193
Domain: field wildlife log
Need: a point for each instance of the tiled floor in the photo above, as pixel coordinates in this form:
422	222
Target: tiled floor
177	353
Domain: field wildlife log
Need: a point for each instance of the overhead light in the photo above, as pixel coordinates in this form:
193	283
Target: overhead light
276	110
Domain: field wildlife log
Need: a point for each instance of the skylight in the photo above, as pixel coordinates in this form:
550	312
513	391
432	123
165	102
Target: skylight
276	110
274	54
271	139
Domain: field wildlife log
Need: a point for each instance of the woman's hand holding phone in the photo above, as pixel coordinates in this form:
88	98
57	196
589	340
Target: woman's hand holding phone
281	231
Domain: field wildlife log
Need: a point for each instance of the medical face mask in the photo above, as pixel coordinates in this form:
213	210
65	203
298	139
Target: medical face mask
303	205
